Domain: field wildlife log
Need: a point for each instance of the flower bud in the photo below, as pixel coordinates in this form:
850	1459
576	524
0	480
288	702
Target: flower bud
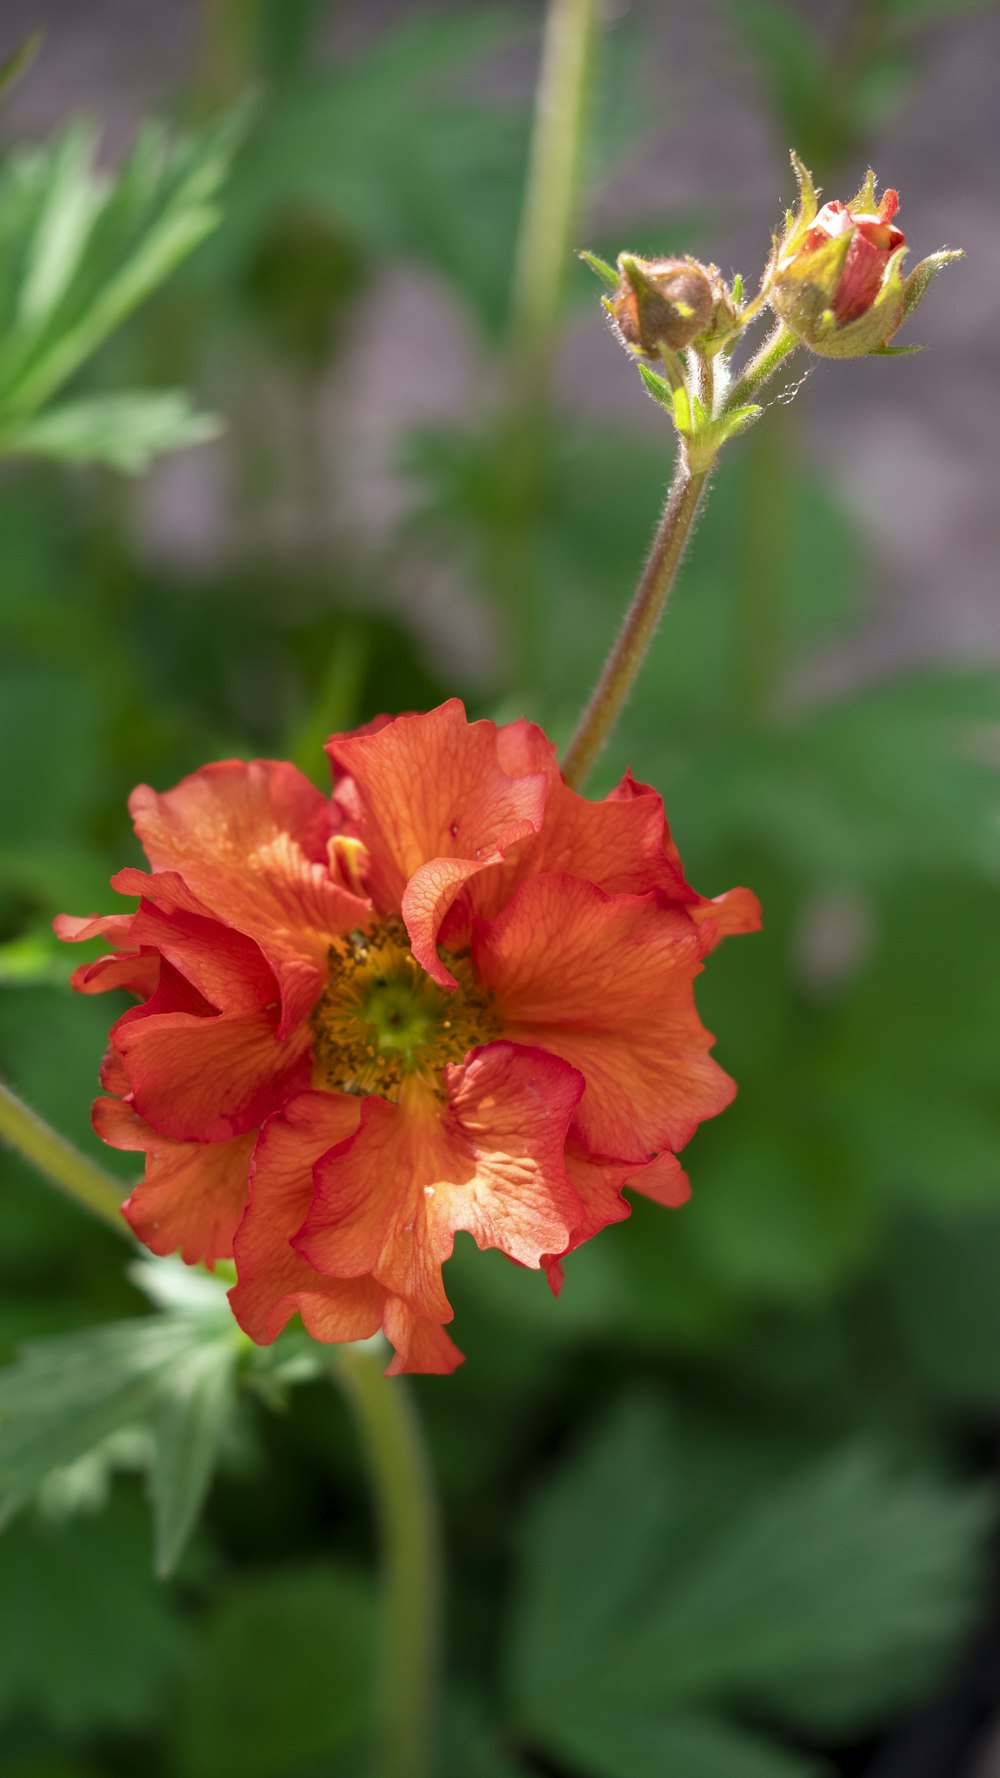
835	276
661	303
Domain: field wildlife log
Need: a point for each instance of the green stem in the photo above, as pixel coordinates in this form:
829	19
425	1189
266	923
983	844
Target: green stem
411	1563
60	1163
641	619
548	220
550	202
777	346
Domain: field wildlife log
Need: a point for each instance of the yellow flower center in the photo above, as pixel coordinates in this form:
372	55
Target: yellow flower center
382	1018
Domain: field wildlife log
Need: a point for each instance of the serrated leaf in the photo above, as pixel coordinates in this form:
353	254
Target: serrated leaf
602	269
123	430
79	253
656	386
817	1600
169	1378
840	1591
189	1431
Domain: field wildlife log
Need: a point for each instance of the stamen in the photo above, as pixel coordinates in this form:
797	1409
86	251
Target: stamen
382	1019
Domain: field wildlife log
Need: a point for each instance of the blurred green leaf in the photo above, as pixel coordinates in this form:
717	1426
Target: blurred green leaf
123	430
89	1638
279	1677
820	1600
941	1278
79	253
618	1744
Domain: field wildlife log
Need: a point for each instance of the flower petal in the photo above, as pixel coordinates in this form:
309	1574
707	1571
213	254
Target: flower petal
193	1194
421	1345
491	1162
227	968
606	982
275	1282
251	842
204	1079
434	807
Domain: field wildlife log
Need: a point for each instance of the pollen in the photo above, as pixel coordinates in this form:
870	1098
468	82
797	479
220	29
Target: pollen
382	1019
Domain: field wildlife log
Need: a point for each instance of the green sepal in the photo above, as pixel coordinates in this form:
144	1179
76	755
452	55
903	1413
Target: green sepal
682	412
740	418
914	286
864	198
601	269
656	386
808	197
737	290
894	351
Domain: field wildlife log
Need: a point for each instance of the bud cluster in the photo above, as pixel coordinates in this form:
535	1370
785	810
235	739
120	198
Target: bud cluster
834	277
833	281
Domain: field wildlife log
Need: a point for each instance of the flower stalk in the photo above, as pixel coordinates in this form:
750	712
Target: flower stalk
641	619
409	1642
60	1163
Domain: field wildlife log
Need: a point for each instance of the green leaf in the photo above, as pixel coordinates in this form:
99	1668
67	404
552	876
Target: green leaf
841	1591
603	270
280	1678
189	1432
80	253
123	430
169	1379
617	1744
656	386
817	1596
92	1641
939	1280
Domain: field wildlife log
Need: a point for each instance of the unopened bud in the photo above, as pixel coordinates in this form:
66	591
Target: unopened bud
835	277
661	303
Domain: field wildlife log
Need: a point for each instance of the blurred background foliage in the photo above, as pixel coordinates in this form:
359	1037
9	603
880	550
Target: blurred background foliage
728	1509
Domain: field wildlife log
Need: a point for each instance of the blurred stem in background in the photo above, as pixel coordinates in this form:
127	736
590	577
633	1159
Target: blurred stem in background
409	1644
60	1163
548	219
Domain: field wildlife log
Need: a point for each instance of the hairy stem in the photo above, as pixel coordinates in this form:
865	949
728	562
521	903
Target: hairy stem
777	346
411	1563
60	1163
641	619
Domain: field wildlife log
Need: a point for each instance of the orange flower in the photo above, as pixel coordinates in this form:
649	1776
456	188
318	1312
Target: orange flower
456	995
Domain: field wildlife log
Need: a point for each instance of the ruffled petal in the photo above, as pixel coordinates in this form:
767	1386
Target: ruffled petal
251	843
137	972
420	1345
434	806
275	1282
204	1079
227	968
606	982
390	1201
193	1194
